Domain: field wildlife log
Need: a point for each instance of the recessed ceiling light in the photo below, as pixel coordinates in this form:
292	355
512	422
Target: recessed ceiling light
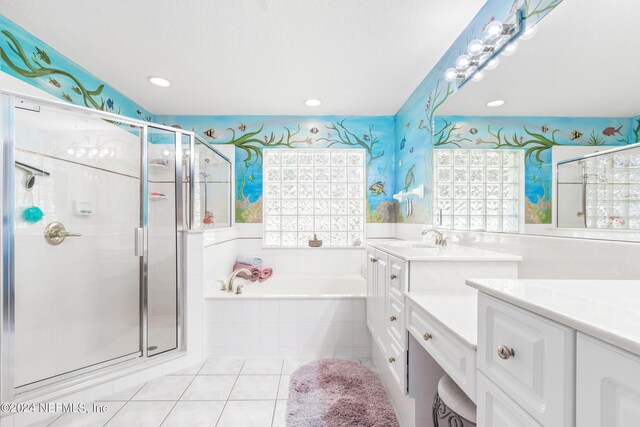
496	103
312	102
159	81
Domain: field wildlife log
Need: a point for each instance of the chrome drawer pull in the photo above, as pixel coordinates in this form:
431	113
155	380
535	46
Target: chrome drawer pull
393	277
392	318
392	359
426	336
505	352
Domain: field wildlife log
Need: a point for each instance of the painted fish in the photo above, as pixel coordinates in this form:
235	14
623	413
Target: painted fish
67	97
611	131
110	104
410	178
544	128
366	137
242	127
54	82
479	141
43	55
211	133
377	188
406	126
536	178
473	131
266	139
403	143
251	177
247	164
76	90
314	130
421	124
521	139
575	135
309	141
138	112
411	149
428	104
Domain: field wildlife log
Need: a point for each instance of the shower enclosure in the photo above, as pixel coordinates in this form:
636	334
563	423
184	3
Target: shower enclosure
91	242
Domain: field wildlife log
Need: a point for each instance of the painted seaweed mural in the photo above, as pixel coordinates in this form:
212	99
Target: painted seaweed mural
348	138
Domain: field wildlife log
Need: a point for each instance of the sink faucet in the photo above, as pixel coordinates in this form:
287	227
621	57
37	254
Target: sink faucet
440	239
233	276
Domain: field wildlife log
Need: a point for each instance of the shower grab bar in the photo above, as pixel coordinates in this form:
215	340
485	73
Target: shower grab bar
32	169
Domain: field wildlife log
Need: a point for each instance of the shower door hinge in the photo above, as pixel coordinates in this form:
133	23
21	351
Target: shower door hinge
139	241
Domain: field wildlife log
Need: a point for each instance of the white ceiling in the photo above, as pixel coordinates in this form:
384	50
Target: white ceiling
583	62
361	57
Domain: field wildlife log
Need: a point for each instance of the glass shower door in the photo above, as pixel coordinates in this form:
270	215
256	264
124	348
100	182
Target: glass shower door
77	213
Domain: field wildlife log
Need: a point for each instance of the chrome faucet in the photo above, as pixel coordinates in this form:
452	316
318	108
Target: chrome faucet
233	276
440	239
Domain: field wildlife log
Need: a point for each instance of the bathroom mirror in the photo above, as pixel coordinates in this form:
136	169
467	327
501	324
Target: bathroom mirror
568	108
210	188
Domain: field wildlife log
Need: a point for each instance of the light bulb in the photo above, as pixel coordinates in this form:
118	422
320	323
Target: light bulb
477	76
510	49
71	151
476	47
529	33
492	64
494	30
463	61
451	74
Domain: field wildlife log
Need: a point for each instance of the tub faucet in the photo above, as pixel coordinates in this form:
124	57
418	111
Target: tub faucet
233	276
440	239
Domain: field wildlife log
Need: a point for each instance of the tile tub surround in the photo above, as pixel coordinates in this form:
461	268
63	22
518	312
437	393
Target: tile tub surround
321	327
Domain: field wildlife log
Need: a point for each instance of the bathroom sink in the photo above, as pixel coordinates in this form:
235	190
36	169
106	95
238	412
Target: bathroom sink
417	244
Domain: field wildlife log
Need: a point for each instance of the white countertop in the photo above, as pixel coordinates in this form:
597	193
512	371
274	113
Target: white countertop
605	309
456	311
437	253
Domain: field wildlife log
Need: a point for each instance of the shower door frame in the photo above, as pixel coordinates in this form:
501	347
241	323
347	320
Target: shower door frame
9	101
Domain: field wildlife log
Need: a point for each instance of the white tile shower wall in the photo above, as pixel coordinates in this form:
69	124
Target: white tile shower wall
286	327
550	257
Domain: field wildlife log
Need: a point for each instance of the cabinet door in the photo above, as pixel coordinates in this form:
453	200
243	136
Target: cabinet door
371	290
382	280
608	385
397	277
495	409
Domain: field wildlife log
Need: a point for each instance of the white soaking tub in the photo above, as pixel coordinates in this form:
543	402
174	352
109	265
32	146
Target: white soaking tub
297	286
288	316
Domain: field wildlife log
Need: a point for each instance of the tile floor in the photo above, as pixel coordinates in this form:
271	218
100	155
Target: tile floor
219	392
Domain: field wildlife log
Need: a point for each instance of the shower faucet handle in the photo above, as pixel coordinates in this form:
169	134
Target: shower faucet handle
55	233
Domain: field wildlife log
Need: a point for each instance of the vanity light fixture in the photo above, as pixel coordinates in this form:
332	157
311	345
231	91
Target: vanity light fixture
496	103
159	81
312	102
482	53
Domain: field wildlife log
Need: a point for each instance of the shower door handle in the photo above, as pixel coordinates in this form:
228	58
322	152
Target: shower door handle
139	241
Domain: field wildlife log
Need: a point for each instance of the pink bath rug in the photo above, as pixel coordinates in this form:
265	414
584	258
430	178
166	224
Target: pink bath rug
337	393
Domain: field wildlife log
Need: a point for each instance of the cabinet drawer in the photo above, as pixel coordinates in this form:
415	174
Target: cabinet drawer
397	277
607	384
495	409
457	359
395	317
397	361
530	358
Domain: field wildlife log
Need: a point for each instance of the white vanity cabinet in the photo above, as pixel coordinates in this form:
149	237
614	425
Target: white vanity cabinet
386	281
608	385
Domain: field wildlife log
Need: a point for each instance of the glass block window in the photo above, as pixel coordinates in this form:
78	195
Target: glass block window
307	192
479	190
613	191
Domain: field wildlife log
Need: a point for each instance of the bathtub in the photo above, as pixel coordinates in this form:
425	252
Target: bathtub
288	316
297	286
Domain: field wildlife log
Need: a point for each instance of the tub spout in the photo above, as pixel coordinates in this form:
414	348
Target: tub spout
233	277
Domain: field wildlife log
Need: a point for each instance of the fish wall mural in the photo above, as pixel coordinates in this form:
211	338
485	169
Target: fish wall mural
33	61
415	129
251	134
536	136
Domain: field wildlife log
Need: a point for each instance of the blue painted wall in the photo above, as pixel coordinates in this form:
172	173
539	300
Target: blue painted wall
251	134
